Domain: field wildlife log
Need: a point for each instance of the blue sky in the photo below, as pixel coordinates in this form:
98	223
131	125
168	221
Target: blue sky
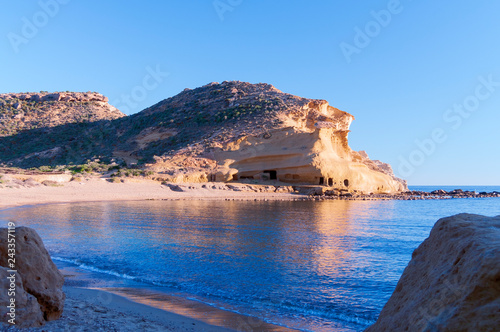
419	76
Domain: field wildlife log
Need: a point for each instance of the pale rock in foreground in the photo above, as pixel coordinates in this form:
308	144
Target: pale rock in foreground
40	276
452	282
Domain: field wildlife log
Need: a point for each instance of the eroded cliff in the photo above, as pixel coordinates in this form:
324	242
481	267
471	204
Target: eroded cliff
271	135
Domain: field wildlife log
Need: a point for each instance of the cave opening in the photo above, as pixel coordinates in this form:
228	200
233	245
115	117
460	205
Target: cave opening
330	182
273	175
346	183
321	180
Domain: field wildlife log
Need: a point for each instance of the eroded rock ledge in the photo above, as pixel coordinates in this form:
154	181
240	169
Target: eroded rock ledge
27	111
452	282
55	96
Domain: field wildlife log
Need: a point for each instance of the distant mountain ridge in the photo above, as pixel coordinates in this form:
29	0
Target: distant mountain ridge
24	111
221	131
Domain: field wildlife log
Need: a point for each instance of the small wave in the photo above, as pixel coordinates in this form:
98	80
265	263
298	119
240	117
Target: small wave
87	267
291	308
93	268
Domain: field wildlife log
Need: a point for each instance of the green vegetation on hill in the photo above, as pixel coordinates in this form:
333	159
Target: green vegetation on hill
34	134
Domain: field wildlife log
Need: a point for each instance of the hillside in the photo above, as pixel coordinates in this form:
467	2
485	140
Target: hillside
215	114
25	111
228	131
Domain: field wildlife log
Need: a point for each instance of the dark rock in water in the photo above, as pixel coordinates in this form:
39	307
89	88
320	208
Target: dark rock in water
456	192
439	192
452	282
40	276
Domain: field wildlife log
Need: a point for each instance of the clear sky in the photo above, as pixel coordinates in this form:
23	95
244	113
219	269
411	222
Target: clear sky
421	77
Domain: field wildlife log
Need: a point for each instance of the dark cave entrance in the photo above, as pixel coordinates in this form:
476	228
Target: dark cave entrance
273	175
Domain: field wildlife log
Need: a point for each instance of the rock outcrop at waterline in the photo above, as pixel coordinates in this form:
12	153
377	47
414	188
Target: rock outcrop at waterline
39	296
452	282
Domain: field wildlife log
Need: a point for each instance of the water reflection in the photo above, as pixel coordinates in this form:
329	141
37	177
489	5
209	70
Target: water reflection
312	265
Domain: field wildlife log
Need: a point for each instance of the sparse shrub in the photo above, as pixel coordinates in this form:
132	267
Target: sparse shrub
45	169
51	183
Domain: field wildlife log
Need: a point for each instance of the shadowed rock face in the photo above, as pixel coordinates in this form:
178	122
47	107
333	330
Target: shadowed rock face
452	282
40	277
28	313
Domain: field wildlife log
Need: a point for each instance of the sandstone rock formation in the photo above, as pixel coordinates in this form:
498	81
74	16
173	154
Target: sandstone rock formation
270	135
452	282
40	277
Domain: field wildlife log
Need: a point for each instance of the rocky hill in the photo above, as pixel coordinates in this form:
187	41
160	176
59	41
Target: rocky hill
228	131
24	111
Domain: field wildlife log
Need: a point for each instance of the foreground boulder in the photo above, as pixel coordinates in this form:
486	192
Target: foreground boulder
27	310
39	275
452	282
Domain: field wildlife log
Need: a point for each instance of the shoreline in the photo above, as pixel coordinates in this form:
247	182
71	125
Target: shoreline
126	308
96	189
87	309
153	303
92	309
99	190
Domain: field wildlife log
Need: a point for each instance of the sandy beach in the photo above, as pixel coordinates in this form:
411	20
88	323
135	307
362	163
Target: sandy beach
97	310
99	189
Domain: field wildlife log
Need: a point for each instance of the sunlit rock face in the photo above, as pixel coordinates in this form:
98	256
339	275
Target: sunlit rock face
452	282
278	136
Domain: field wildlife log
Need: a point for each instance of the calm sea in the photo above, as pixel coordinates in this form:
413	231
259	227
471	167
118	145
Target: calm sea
314	266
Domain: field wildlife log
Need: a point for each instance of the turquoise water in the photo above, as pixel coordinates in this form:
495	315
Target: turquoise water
308	265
